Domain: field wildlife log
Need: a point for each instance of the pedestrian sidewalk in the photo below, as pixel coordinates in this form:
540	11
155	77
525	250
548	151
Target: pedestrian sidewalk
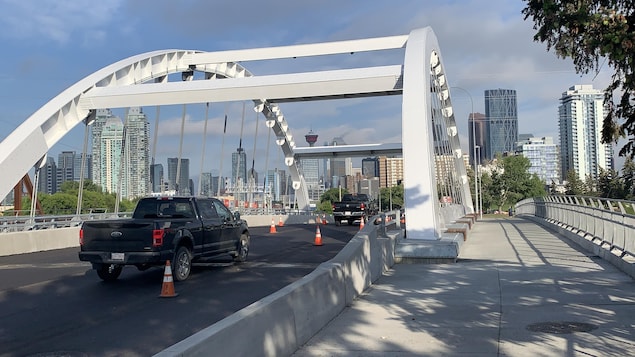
516	290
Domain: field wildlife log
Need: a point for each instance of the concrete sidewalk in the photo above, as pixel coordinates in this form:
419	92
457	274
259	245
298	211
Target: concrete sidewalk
517	290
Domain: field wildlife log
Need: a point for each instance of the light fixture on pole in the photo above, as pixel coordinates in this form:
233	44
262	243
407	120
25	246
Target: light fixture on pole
476	196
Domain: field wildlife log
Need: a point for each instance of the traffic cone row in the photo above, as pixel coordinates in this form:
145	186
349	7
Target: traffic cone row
361	223
318	237
280	224
272	229
167	290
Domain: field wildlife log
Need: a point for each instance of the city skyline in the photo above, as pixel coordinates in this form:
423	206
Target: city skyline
44	58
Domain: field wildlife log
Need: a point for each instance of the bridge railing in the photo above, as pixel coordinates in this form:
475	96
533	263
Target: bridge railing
27	223
608	223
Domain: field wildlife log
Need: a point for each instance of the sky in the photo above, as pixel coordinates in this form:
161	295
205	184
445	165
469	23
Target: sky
48	45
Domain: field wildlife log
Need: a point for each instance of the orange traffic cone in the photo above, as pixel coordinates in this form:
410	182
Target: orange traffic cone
272	229
361	223
168	284
318	237
324	221
280	224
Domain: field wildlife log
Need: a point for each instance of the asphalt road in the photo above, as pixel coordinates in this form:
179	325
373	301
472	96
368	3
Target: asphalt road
51	304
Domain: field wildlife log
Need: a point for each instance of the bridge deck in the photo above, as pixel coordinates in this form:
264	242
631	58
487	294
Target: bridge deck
517	290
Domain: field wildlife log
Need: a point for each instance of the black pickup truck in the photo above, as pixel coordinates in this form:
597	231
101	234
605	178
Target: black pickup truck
179	229
353	207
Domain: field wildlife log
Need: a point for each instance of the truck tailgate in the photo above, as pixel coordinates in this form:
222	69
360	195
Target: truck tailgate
117	236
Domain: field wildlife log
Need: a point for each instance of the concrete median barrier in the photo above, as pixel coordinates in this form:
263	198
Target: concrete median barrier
280	323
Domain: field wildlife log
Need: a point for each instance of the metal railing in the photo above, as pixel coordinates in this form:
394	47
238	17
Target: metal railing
28	223
609	223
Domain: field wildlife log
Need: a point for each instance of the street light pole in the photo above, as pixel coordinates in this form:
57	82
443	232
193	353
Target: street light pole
476	196
480	182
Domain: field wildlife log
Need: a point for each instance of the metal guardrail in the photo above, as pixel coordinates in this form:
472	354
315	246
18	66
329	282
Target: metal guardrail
28	223
606	222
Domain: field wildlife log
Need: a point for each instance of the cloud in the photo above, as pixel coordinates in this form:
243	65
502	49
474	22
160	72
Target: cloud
56	20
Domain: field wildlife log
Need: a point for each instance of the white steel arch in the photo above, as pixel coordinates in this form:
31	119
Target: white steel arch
427	118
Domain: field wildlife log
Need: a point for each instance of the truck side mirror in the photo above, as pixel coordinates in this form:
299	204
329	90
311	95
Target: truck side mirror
237	216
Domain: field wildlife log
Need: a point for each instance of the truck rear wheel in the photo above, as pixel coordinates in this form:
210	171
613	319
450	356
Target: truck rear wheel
109	272
243	249
182	264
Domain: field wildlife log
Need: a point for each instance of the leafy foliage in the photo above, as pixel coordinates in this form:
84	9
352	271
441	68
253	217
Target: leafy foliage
391	195
328	197
588	31
510	183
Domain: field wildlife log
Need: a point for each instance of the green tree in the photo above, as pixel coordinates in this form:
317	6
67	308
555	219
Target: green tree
610	184
512	182
394	195
592	33
628	175
574	185
485	181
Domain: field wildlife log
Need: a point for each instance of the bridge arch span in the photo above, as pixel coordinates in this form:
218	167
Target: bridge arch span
28	145
436	184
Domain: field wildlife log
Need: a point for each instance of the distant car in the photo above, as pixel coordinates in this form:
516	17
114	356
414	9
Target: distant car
179	229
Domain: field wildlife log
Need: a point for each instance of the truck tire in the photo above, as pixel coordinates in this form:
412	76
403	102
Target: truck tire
109	272
182	265
242	250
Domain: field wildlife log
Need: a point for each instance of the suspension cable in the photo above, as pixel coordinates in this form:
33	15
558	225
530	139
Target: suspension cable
264	184
122	161
240	146
80	191
252	177
178	164
154	149
200	176
222	149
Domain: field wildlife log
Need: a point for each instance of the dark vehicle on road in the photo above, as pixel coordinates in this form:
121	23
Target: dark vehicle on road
179	229
353	207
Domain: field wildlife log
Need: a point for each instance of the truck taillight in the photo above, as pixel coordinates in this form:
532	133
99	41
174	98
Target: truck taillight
81	237
157	237
362	206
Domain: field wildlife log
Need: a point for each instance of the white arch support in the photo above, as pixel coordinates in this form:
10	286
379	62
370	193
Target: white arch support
142	80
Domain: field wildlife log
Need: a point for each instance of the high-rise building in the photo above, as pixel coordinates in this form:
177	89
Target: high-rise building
390	171
109	153
65	167
501	118
581	113
182	187
88	167
340	168
97	127
136	154
477	130
239	167
273	184
543	156
47	180
116	157
370	167
156	172
310	169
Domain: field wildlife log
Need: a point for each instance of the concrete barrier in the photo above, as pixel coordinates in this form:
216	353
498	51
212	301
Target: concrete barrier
280	323
12	243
